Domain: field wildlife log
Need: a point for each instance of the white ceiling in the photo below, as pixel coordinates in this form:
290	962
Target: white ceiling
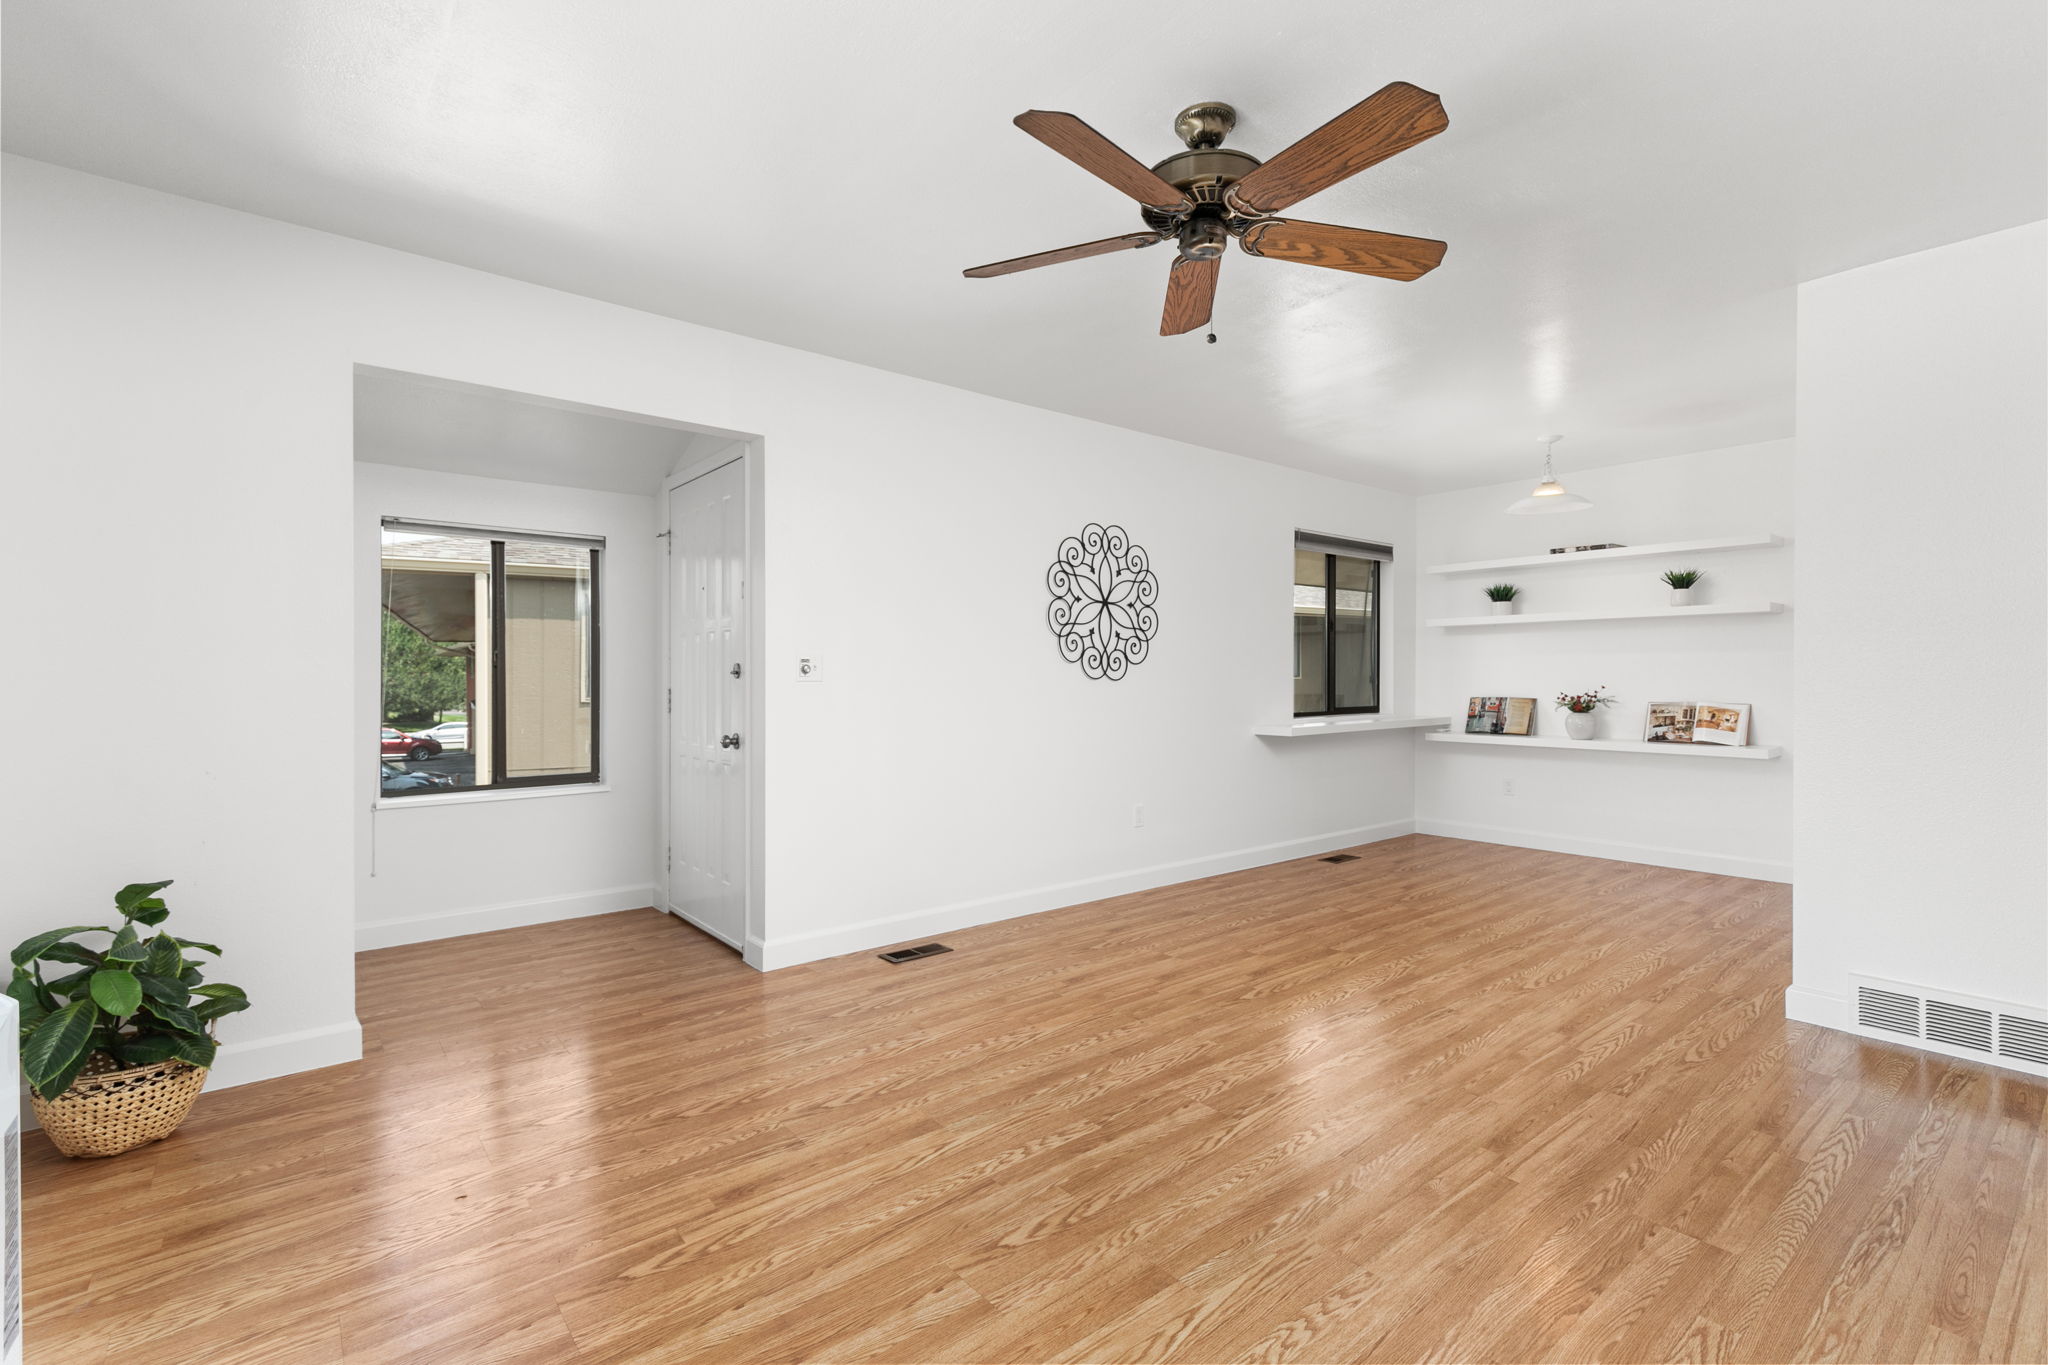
427	423
1629	189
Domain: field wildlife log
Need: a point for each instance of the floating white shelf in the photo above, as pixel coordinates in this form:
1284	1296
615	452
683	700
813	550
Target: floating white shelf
1609	746
1537	618
1347	725
1675	547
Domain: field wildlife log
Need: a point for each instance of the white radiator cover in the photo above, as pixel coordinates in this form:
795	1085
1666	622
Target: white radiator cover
1950	1022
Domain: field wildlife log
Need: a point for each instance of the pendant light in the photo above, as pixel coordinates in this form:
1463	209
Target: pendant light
1549	496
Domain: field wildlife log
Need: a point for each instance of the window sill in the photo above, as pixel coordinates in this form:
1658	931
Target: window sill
477	798
1347	725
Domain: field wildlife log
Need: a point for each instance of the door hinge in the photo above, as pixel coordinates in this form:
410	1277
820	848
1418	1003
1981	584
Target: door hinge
670	705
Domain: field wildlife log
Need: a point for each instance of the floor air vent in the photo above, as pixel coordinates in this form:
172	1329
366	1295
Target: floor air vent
1960	1025
2025	1039
1342	858
913	954
1888	1010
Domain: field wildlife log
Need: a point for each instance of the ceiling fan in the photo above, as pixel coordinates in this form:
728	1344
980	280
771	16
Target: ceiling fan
1204	196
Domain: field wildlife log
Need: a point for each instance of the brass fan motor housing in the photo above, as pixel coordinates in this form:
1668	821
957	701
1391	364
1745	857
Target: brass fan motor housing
1202	173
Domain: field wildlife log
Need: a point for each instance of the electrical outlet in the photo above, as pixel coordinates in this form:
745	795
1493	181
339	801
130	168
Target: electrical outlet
1507	787
1137	817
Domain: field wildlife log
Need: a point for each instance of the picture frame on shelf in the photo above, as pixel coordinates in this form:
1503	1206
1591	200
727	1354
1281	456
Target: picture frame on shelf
1500	715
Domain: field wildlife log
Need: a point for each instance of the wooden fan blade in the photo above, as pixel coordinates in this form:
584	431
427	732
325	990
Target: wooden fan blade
1370	131
1101	158
1126	242
1190	295
1384	254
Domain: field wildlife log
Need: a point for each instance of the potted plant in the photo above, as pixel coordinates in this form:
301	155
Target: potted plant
1681	583
1579	709
1502	596
116	1049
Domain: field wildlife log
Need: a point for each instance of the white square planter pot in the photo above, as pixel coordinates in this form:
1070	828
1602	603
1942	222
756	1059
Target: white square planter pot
1501	608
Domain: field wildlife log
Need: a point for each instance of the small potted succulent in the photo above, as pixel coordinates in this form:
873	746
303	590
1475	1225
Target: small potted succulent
1681	582
1579	710
115	1049
1502	596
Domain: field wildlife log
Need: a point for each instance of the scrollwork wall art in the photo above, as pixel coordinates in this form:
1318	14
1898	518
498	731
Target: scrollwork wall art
1103	590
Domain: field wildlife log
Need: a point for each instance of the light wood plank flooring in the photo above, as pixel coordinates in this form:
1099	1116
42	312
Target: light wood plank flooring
1450	1101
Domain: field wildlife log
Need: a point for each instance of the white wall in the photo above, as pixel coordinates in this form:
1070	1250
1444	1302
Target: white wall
1923	488
1671	810
182	375
951	768
437	866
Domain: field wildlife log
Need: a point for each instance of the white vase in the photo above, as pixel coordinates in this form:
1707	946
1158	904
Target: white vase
1579	724
1681	597
1506	608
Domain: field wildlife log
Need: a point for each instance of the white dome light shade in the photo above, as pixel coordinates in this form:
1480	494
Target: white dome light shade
1550	495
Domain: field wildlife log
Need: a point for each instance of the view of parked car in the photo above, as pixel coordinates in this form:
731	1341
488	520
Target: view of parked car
450	734
414	747
392	778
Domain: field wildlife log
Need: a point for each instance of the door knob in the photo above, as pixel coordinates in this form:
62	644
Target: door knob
728	741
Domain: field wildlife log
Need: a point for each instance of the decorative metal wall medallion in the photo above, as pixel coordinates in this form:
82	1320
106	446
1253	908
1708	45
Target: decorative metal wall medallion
1102	590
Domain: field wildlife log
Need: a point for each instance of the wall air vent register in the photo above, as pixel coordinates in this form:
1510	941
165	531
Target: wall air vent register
1995	1031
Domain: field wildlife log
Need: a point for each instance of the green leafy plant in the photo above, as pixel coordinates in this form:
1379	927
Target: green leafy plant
139	999
1683	578
1502	592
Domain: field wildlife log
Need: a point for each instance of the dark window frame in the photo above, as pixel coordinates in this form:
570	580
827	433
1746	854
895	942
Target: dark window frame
500	731
1372	646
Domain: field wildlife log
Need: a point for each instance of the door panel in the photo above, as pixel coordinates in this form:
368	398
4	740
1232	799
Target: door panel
707	643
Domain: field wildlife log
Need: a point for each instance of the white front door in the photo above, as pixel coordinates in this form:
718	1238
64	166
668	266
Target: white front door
709	747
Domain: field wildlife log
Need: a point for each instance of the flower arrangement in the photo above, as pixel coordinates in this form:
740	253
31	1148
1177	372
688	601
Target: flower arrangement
1682	578
1584	703
1502	592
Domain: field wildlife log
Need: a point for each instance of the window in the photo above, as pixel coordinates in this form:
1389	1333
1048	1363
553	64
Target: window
490	662
1336	624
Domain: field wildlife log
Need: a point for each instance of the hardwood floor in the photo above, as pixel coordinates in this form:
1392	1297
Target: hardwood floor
1451	1101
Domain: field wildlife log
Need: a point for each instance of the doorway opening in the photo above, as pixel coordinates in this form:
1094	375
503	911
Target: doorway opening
514	586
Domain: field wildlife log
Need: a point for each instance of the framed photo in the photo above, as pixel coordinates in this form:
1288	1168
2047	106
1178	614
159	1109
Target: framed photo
1721	723
1499	715
1670	722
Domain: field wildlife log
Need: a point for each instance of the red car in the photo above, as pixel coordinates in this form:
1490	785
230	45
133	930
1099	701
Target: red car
414	747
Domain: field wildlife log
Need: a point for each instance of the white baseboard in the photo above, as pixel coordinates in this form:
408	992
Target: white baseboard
1808	1006
389	933
1689	860
880	933
263	1059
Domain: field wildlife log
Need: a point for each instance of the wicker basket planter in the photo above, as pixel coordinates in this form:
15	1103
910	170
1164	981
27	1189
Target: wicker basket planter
110	1110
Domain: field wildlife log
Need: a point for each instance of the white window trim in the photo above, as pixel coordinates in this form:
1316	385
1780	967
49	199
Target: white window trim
444	797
